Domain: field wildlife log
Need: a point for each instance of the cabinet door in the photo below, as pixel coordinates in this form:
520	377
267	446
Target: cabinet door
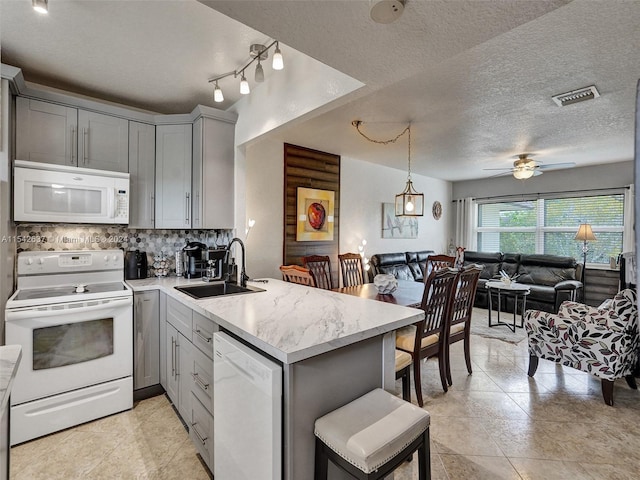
146	342
46	132
103	142
196	175
172	385
185	362
163	340
217	190
142	171
173	176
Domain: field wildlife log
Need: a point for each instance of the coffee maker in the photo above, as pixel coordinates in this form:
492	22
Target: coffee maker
193	258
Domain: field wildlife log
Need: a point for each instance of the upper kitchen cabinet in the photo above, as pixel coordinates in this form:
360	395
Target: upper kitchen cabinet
52	133
46	132
142	168
173	176
213	173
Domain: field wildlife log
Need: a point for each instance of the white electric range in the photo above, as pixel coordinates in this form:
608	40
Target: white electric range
72	313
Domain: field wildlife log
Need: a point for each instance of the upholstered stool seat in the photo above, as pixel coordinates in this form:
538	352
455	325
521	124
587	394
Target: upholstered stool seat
371	436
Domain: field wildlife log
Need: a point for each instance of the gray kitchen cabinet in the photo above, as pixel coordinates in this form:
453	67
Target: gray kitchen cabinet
103	142
173	176
46	132
213	173
201	430
185	359
52	133
173	374
163	340
142	171
146	341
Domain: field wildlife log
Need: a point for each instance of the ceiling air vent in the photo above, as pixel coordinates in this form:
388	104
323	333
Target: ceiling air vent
575	96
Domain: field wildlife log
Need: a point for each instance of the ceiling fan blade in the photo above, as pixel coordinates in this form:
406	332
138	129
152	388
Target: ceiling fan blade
554	166
537	172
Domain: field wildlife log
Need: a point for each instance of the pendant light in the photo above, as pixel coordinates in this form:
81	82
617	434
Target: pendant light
244	85
278	62
218	97
409	203
259	73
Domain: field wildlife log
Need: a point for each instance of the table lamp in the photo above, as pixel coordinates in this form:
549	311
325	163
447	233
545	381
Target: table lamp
585	234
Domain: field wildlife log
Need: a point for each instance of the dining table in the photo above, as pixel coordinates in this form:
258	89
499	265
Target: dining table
408	294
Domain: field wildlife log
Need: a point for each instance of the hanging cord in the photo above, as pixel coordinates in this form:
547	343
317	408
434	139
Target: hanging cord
357	123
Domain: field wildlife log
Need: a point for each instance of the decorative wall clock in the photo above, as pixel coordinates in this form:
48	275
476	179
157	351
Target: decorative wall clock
436	210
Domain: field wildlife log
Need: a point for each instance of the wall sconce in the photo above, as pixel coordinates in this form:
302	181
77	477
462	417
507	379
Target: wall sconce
258	53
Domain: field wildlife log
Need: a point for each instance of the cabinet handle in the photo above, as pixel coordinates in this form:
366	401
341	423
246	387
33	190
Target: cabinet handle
177	359
206	339
74	146
197	220
85	141
187	209
153	208
201	384
173	357
138	318
200	437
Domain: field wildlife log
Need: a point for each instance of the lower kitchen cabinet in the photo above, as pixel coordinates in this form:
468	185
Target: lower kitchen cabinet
146	340
201	430
179	351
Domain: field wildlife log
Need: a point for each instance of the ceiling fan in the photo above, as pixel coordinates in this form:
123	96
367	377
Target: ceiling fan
525	167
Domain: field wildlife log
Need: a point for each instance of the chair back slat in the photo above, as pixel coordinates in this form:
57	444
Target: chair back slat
437	301
297	274
465	294
352	271
436	262
320	266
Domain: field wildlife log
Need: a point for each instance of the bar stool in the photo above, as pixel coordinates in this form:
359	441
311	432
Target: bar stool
371	436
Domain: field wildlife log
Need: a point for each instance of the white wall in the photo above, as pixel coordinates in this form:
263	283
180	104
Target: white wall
363	189
611	175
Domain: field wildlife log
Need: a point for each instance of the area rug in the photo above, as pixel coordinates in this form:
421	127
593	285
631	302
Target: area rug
479	326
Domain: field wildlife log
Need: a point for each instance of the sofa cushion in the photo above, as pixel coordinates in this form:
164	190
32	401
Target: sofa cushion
417	262
510	262
546	269
490	262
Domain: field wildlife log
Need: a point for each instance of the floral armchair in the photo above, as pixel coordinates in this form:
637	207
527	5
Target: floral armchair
600	341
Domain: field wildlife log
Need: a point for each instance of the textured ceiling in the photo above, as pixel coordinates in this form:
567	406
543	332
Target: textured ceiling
475	78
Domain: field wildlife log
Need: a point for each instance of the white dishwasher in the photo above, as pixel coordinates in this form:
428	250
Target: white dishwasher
247	412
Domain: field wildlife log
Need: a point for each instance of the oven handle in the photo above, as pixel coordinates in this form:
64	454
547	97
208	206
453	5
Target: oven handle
12	315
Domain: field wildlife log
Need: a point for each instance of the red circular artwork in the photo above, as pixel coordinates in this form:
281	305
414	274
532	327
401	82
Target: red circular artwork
316	215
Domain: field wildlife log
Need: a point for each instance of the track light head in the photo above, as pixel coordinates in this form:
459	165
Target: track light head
259	73
40	6
244	85
218	97
278	63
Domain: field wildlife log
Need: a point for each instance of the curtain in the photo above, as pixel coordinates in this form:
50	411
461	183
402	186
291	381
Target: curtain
466	212
628	237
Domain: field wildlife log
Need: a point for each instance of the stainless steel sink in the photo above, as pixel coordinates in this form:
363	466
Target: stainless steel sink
216	289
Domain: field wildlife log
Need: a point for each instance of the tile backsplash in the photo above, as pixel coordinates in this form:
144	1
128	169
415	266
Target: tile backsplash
43	237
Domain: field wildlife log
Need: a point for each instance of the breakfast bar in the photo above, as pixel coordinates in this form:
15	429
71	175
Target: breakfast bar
333	348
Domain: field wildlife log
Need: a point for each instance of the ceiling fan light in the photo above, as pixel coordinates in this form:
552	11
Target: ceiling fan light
523	173
277	62
40	6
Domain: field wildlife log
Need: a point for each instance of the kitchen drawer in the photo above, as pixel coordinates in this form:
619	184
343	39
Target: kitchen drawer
201	378
180	316
201	431
203	330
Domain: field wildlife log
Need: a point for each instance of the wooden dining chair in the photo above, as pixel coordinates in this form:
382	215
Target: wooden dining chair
320	266
297	274
461	312
429	337
436	262
351	267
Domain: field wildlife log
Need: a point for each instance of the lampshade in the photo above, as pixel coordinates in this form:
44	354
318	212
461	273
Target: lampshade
217	94
278	62
585	234
523	173
259	73
244	85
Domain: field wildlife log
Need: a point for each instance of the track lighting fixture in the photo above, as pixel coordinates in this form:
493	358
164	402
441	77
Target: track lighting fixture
40	6
218	97
258	53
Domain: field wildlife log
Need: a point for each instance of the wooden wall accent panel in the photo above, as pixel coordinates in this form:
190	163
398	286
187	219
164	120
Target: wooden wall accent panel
308	168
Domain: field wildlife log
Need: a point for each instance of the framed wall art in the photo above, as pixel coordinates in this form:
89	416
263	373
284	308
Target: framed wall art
397	227
314	215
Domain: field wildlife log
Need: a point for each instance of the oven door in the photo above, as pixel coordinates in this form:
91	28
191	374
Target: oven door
69	346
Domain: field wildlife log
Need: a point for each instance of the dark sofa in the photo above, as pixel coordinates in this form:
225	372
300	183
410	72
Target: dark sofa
551	279
403	265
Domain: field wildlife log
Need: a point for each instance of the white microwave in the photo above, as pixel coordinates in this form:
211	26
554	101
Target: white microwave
45	192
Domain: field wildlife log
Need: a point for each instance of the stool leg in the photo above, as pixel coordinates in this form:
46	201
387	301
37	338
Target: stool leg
424	458
322	462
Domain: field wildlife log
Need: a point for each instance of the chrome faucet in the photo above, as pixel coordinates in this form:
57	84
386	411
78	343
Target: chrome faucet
243	272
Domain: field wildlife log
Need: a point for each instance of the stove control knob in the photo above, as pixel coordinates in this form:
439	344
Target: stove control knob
41	261
106	258
114	258
29	261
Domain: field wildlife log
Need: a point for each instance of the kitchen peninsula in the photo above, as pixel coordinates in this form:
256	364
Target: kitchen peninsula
333	348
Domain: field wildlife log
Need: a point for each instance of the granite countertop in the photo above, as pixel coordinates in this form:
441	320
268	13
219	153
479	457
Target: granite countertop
10	356
288	321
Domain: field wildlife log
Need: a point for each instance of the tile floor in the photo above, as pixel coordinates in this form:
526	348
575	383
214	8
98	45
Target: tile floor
494	424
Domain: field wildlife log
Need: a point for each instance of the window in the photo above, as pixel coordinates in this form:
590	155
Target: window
548	225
